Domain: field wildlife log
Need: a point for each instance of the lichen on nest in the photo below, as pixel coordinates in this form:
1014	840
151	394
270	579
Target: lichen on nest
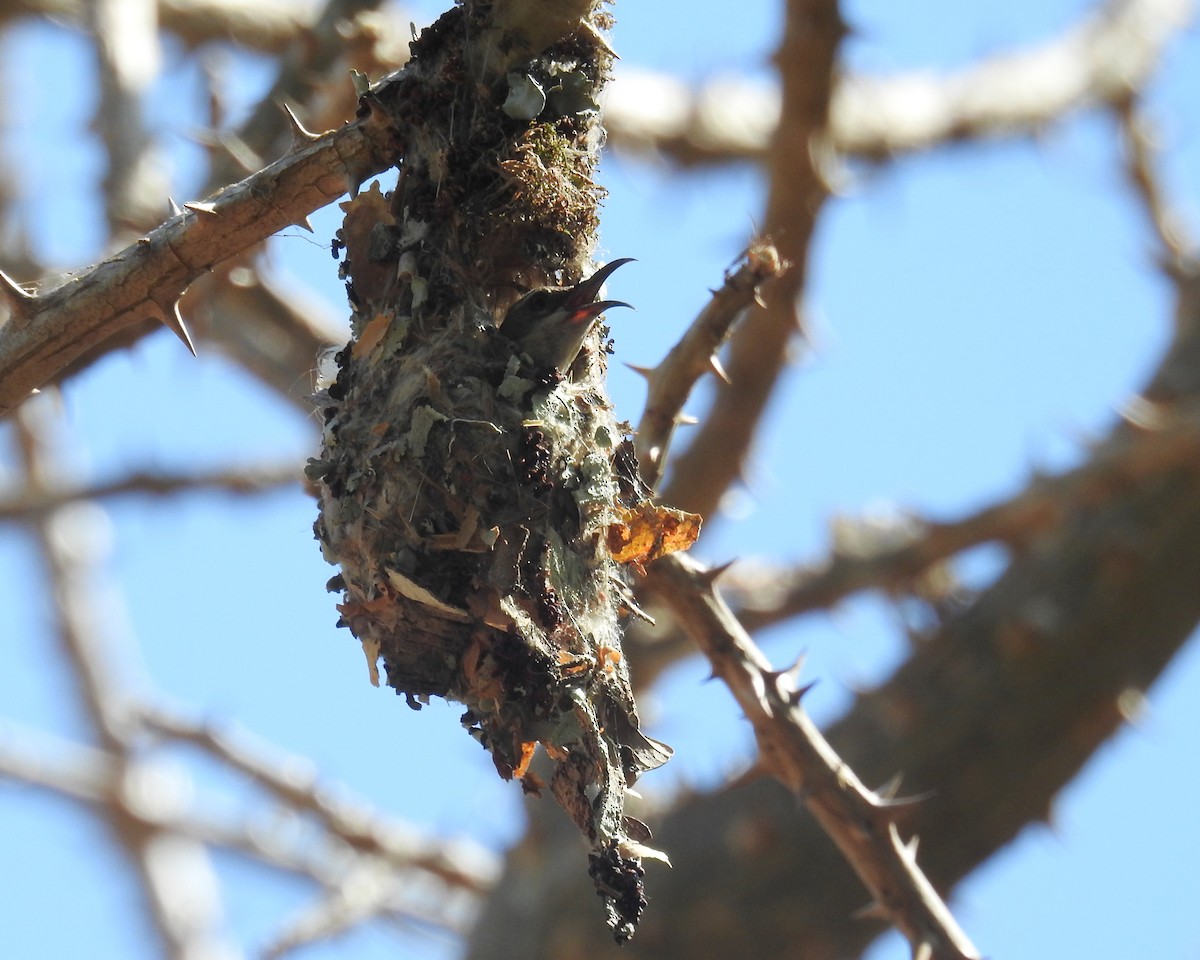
468	495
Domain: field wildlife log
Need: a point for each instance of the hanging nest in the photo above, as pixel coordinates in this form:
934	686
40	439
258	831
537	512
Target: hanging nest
482	511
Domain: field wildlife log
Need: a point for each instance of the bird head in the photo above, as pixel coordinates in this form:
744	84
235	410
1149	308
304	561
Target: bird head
550	324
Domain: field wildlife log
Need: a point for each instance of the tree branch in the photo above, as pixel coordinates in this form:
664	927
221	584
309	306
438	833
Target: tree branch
49	329
878	117
861	822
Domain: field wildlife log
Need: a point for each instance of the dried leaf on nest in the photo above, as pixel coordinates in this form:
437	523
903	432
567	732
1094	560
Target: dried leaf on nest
649	531
365	234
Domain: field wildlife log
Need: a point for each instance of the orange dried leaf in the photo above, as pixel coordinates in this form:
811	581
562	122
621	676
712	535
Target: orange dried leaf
608	657
527	749
353	608
373	277
372	333
649	531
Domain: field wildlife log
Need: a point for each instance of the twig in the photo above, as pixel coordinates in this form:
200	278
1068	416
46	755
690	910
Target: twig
1129	460
696	354
859	821
179	885
459	866
1139	168
91	776
34	501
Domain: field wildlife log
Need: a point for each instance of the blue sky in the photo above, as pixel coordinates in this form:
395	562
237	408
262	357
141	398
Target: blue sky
978	314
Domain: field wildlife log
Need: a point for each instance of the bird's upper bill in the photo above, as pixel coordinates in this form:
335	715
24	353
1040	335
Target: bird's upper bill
582	305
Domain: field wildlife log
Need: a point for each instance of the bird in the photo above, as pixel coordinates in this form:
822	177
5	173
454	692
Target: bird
550	324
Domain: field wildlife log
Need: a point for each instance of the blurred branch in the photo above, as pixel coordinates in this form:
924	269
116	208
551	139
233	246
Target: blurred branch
179	886
876	117
295	785
142	797
1140	156
264	25
128	55
32	501
1158	444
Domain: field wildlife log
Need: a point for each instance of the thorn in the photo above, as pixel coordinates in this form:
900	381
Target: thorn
797	666
644	372
897	808
204	137
201	206
239	152
19	300
795	696
686	420
176	209
714	365
1132	706
907	849
872	911
300	134
888	791
169	316
631	605
361	82
713	574
305	224
1048	817
786	681
599	39
230	145
356	177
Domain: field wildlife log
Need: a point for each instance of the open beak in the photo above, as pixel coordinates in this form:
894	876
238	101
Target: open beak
583	305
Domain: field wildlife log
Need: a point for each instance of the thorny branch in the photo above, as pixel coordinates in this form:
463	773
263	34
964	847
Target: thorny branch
759	350
859	821
49	328
296	786
670	383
